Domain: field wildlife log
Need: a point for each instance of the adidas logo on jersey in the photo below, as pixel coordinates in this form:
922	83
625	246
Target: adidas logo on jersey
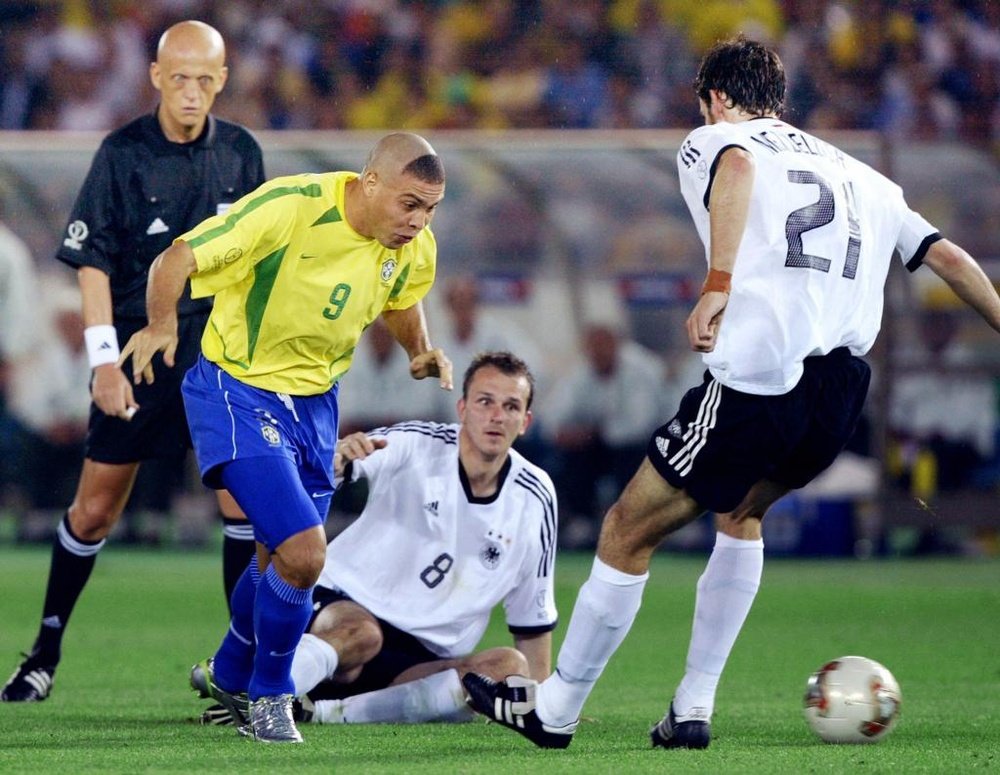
431	507
662	444
157	227
674	429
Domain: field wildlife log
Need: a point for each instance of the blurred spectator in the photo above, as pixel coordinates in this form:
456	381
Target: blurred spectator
911	69
50	405
379	391
943	414
19	338
468	330
598	419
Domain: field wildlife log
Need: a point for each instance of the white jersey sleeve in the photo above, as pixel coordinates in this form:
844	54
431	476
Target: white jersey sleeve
530	606
821	230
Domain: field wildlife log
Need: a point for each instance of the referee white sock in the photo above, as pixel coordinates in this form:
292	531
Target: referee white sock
726	591
603	614
314	661
437	697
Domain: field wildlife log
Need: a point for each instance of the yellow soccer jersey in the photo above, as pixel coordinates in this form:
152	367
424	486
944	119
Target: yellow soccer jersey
295	285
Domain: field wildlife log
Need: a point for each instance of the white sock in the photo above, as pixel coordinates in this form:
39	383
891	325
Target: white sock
726	591
437	697
603	614
314	661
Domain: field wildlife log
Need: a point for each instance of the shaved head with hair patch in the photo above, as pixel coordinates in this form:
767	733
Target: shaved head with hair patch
406	153
395	196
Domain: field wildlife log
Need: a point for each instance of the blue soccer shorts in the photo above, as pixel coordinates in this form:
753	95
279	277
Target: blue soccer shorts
285	445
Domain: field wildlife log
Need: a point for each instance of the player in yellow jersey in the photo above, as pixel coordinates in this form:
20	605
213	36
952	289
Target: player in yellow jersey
298	269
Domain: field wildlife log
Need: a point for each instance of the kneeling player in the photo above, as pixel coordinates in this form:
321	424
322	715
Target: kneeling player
456	522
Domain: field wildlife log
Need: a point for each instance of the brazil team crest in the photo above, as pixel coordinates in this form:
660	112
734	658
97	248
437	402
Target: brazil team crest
388	267
270	434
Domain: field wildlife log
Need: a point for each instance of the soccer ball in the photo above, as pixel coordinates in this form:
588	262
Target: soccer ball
852	700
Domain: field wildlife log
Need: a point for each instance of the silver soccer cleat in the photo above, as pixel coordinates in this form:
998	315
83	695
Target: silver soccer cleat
271	720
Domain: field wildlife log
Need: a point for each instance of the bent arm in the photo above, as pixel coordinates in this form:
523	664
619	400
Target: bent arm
966	278
168	275
409	328
729	206
537	649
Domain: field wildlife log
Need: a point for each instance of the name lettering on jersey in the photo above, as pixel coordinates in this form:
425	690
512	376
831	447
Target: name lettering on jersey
388	267
77	232
157	227
431	508
794	142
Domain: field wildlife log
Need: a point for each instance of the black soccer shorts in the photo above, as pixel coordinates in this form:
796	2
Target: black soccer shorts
722	441
159	429
400	651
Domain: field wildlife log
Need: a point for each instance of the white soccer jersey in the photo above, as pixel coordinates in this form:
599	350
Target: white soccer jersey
811	268
431	559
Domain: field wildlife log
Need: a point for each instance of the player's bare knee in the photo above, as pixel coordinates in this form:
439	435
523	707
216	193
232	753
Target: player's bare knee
91	519
299	560
629	531
367	637
744	524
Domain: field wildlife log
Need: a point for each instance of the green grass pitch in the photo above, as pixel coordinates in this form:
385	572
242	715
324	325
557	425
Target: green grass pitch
121	702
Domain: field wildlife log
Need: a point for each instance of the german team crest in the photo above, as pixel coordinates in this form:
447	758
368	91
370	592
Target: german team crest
491	552
388	267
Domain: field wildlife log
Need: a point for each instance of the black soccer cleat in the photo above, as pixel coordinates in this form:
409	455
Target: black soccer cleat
671	733
203	681
216	716
30	682
512	704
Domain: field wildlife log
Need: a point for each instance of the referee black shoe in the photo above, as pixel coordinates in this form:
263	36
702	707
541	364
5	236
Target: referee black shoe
671	733
512	704
30	682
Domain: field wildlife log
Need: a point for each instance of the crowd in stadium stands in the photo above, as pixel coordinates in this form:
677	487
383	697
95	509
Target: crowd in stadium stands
912	68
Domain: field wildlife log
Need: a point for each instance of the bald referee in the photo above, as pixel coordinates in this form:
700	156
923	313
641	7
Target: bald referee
150	181
298	269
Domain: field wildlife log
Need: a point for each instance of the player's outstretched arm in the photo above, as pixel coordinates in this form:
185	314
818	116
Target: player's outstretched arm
409	327
966	278
167	277
354	446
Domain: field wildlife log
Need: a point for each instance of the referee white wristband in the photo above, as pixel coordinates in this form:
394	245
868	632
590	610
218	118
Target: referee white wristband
102	345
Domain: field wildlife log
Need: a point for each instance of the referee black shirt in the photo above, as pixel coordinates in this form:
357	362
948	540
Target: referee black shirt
143	191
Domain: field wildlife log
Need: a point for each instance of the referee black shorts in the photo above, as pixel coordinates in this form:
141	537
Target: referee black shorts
722	441
159	429
400	651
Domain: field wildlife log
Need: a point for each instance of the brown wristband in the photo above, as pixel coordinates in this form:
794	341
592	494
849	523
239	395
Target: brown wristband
717	280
